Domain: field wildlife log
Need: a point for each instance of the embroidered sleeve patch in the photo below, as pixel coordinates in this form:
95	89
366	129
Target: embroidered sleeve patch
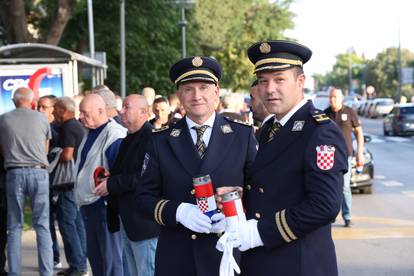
145	163
325	157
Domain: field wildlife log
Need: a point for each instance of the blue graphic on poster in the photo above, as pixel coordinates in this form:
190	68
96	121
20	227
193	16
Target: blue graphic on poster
49	84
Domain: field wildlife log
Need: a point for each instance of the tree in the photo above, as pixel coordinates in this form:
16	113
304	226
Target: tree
222	29
339	76
227	28
34	21
382	72
153	41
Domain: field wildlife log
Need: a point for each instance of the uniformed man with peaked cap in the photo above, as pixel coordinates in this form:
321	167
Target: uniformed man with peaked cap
297	173
201	143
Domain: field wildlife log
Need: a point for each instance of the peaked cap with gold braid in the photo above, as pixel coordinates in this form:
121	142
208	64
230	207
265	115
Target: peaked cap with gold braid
275	55
196	68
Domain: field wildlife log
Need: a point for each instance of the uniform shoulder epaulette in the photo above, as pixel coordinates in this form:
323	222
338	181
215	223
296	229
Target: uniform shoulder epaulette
156	130
237	121
320	117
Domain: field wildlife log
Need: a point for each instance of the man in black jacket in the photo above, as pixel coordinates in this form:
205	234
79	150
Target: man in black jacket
140	235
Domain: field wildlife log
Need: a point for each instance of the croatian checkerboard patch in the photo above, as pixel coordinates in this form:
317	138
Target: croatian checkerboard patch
325	157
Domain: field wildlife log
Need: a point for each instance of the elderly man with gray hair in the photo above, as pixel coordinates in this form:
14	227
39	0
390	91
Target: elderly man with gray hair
24	142
69	218
110	101
98	148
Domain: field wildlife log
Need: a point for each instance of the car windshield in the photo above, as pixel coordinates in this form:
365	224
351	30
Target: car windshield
407	110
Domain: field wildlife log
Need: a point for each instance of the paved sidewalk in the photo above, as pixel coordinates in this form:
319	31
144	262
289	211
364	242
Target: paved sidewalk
29	253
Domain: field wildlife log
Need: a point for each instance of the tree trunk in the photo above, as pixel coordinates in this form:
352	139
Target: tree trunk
18	22
63	15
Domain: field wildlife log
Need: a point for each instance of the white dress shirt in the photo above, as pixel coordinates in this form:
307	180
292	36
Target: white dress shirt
207	133
289	115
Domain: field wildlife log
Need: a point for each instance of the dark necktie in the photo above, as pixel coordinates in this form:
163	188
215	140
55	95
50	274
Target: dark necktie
200	145
273	130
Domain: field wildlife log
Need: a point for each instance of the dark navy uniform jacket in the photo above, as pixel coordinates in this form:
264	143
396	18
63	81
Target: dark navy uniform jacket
295	197
166	182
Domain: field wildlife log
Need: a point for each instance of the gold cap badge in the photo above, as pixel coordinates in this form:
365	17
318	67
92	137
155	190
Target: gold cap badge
265	48
197	61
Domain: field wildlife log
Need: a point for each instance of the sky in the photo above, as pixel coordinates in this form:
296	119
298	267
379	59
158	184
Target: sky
331	27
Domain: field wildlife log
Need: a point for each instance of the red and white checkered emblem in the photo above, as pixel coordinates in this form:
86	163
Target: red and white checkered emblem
203	204
325	157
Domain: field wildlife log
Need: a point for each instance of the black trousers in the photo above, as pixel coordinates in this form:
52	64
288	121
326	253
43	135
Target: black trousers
3	229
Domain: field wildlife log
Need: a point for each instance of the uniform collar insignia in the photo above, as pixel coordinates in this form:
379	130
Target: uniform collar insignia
298	125
175	132
226	129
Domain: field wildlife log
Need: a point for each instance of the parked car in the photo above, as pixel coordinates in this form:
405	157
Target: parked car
367	108
361	107
362	181
321	102
400	121
380	107
352	102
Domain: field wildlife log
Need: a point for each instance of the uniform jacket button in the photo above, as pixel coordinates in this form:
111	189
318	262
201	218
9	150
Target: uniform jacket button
258	215
192	192
193	236
261	190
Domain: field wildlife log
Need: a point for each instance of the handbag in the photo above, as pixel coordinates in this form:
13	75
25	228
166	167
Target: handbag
64	174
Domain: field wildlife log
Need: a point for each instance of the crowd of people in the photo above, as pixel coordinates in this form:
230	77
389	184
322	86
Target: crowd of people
117	174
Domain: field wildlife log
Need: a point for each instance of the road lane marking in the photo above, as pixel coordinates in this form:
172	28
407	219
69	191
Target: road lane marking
383	221
392	183
397	139
399	228
372	233
380	177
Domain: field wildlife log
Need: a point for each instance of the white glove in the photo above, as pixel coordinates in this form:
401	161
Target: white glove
219	224
228	264
191	217
248	235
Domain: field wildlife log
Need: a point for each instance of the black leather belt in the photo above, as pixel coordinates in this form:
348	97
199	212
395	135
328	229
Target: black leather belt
26	167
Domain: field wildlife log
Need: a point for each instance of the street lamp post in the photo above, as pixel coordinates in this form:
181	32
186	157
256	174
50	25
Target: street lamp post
349	71
91	39
122	46
183	4
182	24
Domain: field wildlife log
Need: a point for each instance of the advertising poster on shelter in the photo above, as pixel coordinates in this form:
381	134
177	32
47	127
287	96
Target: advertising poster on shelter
43	80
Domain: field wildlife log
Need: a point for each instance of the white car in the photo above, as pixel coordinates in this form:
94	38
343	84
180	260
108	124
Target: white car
380	107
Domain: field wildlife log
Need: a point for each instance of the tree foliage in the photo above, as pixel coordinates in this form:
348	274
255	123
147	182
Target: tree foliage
222	29
34	21
239	24
380	72
152	41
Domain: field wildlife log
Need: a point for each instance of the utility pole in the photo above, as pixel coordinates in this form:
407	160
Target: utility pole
182	24
399	68
349	71
91	39
183	4
122	45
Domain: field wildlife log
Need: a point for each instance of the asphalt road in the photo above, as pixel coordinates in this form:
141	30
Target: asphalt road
381	242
